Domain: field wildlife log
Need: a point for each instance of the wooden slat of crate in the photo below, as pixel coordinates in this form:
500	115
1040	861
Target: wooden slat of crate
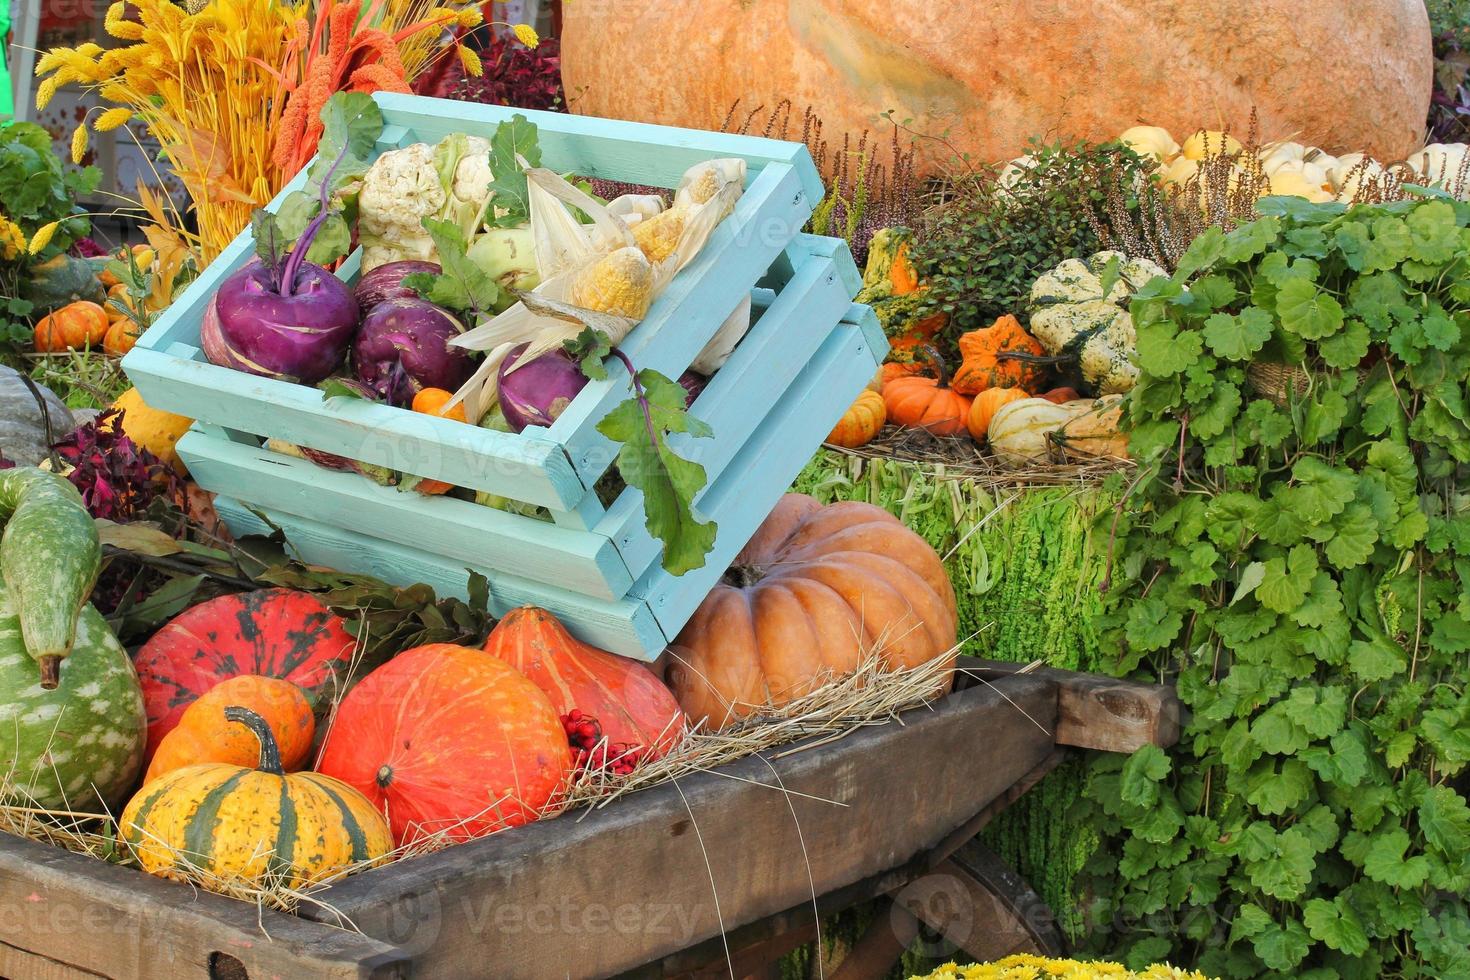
638	153
65	915
589	895
758	475
624	626
578	561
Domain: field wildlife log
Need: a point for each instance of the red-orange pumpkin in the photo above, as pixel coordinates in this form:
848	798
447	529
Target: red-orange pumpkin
1060	396
814	591
277	633
446	740
989	358
633	707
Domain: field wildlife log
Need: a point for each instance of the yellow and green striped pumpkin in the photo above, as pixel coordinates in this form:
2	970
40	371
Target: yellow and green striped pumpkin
225	823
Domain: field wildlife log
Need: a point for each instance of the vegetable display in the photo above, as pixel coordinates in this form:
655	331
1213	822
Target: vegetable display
79	743
49	559
252	824
449	741
276	633
815	590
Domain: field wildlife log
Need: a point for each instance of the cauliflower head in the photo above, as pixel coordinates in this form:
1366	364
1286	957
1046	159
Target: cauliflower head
447	182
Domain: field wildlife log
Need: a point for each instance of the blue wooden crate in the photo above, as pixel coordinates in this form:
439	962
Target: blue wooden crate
554	468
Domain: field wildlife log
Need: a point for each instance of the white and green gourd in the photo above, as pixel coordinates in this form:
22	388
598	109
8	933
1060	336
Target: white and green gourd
72	723
1080	326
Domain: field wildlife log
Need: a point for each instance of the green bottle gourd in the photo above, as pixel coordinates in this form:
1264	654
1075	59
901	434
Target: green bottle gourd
49	559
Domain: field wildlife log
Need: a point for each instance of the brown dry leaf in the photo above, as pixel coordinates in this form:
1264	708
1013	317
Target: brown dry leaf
142	539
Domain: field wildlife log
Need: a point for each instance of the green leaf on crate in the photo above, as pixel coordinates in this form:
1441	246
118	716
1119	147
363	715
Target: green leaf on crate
590	349
462	286
669	482
514	141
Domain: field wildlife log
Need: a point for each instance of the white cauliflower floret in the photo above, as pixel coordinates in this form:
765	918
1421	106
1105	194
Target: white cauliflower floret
404	186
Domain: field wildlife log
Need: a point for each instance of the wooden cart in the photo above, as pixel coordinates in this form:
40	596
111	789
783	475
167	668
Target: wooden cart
717	874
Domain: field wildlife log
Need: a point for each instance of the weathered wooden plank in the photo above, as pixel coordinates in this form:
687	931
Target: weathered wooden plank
96	918
623	626
458	530
1104	713
715	850
16	962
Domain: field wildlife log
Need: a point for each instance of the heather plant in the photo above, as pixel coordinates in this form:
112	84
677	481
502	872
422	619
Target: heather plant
868	189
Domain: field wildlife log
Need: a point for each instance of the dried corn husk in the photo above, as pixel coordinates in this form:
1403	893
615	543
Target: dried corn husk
579	263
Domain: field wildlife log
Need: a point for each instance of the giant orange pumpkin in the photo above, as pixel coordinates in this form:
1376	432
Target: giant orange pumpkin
813	593
633	707
277	633
449	741
990	76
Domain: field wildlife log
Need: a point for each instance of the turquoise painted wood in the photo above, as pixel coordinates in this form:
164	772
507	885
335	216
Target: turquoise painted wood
624	626
556	468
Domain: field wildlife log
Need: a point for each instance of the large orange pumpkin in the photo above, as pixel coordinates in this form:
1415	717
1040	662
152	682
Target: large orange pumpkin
990	76
449	741
73	327
632	707
813	593
205	735
927	403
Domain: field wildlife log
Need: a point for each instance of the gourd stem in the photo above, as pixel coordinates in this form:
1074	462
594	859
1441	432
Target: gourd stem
270	752
50	672
930	353
1013	355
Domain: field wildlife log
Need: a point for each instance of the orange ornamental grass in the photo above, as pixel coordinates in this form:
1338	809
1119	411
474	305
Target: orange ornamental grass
218	87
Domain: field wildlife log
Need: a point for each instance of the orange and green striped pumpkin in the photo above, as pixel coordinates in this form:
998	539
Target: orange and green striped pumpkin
219	822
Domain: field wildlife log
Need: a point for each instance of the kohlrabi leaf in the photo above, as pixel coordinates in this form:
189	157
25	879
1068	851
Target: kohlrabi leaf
270	243
669	482
351	121
462	286
589	349
513	139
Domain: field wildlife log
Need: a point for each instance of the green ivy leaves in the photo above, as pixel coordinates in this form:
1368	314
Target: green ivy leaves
1301	564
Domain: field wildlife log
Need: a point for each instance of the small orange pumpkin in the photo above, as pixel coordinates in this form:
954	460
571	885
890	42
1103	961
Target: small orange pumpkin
989	359
431	401
1060	396
985	405
927	403
121	337
204	735
861	423
918	333
74	326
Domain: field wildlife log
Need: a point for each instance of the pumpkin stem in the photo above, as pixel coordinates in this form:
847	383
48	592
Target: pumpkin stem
744	576
270	752
930	353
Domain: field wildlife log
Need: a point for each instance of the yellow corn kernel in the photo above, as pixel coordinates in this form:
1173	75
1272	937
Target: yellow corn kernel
659	236
619	284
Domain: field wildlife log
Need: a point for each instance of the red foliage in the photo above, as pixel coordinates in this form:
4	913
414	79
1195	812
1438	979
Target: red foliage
118	479
515	75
